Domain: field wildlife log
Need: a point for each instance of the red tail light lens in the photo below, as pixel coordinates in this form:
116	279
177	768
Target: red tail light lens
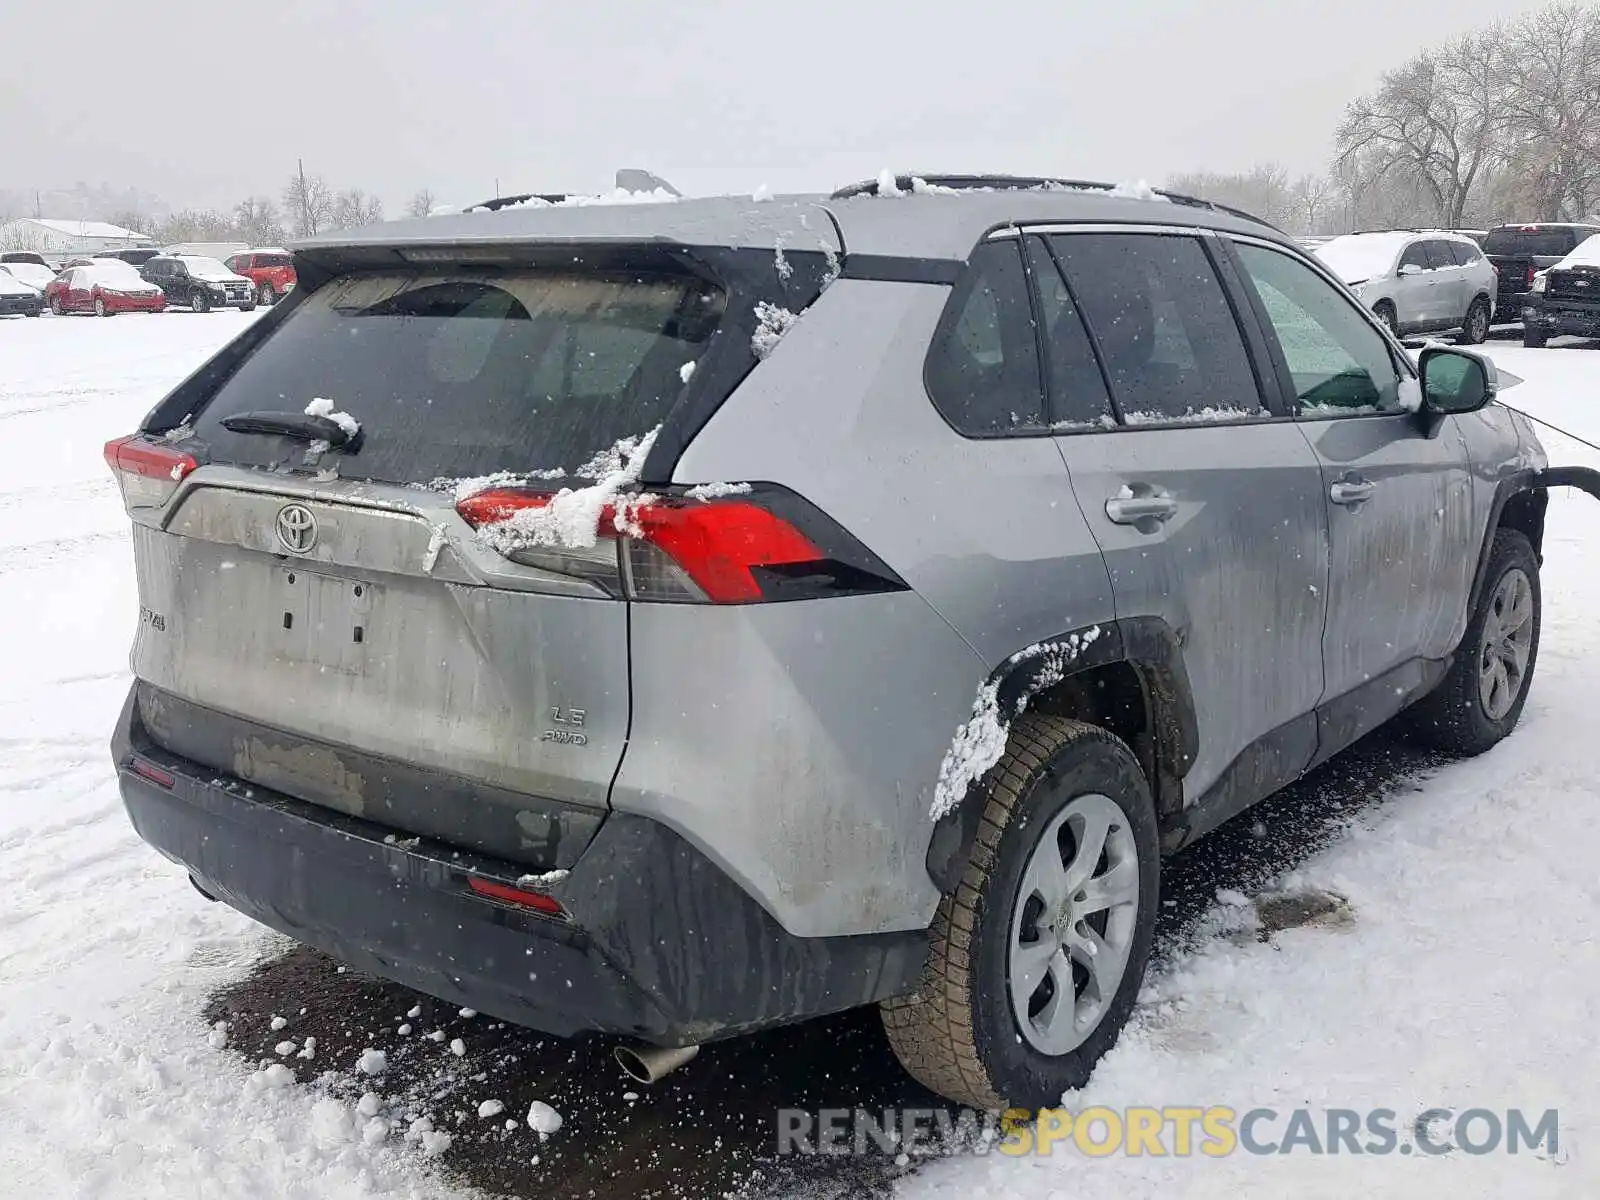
719	551
1531	273
148	472
507	894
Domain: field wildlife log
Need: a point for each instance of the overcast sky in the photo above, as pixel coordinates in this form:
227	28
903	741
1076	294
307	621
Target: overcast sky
204	101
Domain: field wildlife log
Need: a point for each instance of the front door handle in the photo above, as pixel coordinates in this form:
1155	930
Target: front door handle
1350	492
1131	510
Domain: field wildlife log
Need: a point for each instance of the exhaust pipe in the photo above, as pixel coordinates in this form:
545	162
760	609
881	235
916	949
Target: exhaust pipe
649	1064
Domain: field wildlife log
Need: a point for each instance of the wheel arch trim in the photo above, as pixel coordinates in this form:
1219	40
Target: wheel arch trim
1147	644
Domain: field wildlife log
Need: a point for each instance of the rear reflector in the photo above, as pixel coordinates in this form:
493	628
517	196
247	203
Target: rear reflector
507	894
147	472
151	772
678	550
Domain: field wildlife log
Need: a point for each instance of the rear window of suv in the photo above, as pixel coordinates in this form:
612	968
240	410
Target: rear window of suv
1556	241
455	374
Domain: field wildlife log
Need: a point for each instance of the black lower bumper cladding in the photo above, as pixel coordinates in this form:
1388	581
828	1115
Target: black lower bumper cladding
656	942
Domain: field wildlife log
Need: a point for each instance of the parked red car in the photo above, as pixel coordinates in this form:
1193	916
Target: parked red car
104	288
272	271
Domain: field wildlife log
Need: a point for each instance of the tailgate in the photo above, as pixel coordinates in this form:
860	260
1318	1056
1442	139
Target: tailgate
351	643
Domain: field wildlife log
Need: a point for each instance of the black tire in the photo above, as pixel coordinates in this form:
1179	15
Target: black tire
33	313
1454	716
56	306
199	301
1384	311
1475	329
957	1034
266	295
247	308
1534	339
100	309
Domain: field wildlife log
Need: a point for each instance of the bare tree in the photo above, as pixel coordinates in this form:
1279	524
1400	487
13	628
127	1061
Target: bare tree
196	225
422	204
1262	191
1313	199
354	207
308	204
1436	122
258	221
1552	60
132	219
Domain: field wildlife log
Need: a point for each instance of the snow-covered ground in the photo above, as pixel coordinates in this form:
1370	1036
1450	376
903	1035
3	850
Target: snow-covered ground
1467	976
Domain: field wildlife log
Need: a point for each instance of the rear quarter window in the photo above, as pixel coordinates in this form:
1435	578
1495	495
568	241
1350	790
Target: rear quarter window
983	366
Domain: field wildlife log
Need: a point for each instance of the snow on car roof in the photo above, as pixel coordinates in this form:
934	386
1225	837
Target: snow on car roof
1585	254
1355	257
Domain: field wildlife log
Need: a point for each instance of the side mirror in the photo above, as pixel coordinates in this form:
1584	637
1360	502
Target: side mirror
1409	269
1456	381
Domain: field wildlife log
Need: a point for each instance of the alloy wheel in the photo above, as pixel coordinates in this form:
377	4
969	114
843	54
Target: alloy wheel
1073	924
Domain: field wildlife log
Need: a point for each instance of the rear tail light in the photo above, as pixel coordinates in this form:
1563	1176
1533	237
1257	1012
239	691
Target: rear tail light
147	472
751	549
1532	271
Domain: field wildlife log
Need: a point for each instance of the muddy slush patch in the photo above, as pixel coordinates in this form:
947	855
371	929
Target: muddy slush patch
1277	911
710	1129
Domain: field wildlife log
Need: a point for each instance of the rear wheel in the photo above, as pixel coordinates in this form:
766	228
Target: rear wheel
1481	698
199	301
1534	339
1475	329
1384	311
265	294
100	307
56	306
1037	956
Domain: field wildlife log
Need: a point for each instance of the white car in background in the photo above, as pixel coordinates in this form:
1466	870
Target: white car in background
32	274
1418	282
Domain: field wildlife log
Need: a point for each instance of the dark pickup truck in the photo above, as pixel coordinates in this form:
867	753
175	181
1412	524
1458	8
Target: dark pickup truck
1519	252
1565	299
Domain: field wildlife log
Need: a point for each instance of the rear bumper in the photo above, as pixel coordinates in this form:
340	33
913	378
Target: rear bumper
13	305
1558	318
658	943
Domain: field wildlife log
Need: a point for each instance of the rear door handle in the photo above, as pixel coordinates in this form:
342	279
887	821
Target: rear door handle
1130	510
1351	492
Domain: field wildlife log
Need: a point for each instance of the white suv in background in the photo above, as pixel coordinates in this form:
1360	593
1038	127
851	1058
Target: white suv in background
1418	282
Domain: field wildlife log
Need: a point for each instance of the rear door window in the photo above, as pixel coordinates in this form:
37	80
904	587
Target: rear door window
1166	332
983	366
1439	256
456	375
1416	255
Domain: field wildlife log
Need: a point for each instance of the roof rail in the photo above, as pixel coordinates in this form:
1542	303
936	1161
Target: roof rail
869	187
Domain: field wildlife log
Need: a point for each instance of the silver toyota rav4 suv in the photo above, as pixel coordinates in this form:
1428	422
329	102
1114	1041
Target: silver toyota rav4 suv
671	620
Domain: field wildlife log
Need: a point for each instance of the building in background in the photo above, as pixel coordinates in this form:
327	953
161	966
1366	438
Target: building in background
64	238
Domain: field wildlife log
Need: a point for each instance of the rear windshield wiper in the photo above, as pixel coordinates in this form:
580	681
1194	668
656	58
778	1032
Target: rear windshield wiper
294	425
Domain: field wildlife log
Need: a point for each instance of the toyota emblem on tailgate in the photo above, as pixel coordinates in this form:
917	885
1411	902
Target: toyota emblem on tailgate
297	528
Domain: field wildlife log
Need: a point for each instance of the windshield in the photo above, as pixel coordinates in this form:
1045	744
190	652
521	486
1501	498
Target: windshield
1356	257
114	273
205	268
1586	255
453	375
30	273
1542	243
